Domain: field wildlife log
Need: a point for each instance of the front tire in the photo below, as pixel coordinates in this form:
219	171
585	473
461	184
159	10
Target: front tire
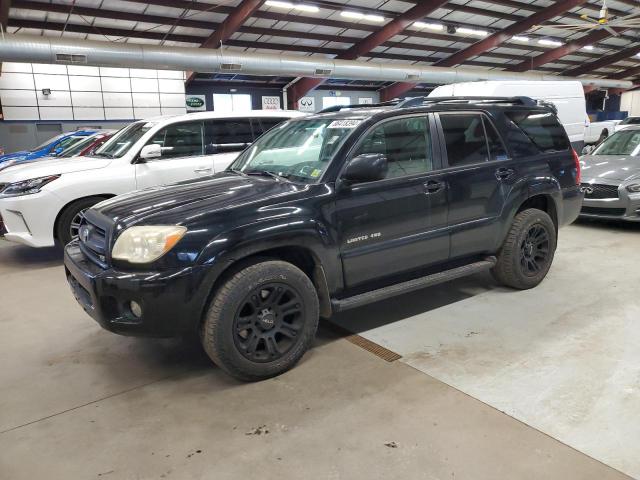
69	220
527	253
261	320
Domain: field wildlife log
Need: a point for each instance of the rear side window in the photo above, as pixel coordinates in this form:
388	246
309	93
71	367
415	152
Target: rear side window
543	129
261	125
231	135
465	138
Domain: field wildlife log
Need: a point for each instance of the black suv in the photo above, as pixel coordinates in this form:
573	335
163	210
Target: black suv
329	212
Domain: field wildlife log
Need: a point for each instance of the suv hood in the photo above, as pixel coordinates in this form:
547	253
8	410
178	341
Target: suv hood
50	166
175	204
618	168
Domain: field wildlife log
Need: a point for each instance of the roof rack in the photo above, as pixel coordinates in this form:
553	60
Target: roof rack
337	108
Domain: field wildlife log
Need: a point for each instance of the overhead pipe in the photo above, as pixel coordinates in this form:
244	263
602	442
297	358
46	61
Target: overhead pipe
33	49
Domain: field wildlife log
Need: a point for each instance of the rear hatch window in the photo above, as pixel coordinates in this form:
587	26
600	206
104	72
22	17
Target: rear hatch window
543	129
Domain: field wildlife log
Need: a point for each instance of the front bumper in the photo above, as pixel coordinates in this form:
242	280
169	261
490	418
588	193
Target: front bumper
172	301
626	207
30	219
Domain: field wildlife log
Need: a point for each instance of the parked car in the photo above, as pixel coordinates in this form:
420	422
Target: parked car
627	122
611	177
52	147
85	147
566	96
44	201
326	213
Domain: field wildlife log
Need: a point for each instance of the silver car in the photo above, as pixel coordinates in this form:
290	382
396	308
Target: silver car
611	177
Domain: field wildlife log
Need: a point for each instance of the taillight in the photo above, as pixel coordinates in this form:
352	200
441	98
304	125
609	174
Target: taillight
576	159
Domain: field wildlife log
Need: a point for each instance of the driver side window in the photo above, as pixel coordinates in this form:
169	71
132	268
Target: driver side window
180	140
405	142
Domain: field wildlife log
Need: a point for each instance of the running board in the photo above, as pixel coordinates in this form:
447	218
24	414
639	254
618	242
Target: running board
411	285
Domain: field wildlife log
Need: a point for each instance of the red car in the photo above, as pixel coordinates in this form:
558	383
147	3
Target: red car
88	145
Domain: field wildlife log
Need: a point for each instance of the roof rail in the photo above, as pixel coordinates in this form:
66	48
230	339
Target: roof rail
337	108
423	101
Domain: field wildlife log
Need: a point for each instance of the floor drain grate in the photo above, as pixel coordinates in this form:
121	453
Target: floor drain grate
368	345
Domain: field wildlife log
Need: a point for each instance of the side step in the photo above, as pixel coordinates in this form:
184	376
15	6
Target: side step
411	285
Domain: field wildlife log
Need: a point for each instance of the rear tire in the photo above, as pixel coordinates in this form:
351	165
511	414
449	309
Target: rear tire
261	320
69	219
527	253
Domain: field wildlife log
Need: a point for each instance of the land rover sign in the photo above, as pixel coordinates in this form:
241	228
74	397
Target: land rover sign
195	103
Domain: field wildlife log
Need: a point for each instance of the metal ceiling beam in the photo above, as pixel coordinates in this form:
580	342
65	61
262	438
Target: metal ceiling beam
631	72
552	55
605	61
230	25
492	41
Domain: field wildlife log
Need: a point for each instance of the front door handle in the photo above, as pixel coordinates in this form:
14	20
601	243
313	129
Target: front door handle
203	170
433	186
504	173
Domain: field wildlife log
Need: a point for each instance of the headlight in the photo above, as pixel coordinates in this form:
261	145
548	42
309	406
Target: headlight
146	244
27	187
633	188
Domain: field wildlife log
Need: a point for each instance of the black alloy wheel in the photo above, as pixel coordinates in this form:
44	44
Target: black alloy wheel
534	250
268	322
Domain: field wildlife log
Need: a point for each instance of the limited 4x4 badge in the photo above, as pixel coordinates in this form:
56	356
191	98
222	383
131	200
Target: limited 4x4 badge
362	238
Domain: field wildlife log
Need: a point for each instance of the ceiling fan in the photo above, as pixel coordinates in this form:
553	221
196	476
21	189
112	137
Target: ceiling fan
604	21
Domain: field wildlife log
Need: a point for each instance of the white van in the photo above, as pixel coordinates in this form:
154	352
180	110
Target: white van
45	200
567	96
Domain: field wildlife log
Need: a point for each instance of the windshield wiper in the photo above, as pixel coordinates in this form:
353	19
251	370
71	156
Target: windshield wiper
266	173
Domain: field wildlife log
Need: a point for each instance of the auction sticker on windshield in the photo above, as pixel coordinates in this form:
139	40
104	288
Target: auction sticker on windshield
344	124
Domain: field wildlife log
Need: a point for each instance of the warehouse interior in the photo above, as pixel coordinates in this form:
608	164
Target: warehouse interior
143	112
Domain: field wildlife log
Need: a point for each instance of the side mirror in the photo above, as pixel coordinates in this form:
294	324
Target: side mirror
367	167
151	151
588	149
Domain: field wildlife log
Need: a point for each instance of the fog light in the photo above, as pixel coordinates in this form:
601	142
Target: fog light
136	309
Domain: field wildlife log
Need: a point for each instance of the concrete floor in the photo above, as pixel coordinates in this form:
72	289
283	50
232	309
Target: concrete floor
79	402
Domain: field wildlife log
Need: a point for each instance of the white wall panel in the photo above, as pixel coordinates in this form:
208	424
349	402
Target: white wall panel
86	99
146	100
53	82
16	81
171	86
88	113
172	100
56	113
177	75
142	113
18	98
113	84
58	98
84	83
114	72
144	85
117	99
143	73
49	69
83	70
173	111
16	67
20	113
118	113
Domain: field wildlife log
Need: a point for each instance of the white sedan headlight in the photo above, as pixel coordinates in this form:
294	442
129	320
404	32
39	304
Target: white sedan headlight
145	244
26	187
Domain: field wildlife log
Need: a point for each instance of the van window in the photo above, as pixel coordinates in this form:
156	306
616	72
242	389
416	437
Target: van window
180	140
543	129
231	135
465	138
405	142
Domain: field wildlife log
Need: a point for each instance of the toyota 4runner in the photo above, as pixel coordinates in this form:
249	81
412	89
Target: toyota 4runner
329	212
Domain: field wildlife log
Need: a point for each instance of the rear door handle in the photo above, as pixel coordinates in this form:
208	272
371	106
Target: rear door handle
203	170
504	173
433	186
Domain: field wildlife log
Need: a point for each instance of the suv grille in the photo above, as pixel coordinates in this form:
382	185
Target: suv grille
600	191
93	242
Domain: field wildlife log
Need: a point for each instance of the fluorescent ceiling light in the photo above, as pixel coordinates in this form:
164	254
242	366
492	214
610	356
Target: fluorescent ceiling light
471	31
361	16
518	38
588	47
292	6
551	43
432	26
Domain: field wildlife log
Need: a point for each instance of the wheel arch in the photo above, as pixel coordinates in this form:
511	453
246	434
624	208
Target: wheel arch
102	196
544	202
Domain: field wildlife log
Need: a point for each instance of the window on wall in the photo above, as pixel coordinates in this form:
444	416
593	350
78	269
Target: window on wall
227	102
333	101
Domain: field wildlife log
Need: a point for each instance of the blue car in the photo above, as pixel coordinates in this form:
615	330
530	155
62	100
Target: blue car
51	147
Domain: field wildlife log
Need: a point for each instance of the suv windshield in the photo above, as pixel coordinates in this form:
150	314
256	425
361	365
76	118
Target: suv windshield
123	140
299	150
624	142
